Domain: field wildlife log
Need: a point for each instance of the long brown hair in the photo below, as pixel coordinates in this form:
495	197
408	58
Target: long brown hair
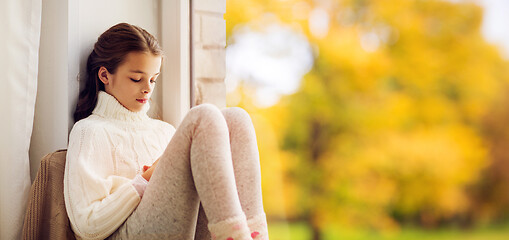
110	51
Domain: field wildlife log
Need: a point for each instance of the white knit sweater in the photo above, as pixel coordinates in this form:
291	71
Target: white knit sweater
106	151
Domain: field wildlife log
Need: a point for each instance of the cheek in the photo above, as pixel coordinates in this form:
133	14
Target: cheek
127	86
116	83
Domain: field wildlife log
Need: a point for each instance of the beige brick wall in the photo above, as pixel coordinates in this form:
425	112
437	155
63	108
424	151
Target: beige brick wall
209	42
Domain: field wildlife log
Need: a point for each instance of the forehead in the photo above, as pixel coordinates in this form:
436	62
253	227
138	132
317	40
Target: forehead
141	61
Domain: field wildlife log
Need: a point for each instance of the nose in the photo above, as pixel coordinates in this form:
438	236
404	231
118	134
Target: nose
147	87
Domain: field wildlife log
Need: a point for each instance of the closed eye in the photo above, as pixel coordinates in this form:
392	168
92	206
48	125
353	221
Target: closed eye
135	80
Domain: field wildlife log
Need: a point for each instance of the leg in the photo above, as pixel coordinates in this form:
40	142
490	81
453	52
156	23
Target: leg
246	164
246	160
195	166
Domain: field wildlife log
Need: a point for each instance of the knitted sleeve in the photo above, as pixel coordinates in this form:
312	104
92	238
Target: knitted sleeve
97	203
140	184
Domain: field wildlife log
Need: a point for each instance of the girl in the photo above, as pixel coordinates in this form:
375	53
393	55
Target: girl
212	157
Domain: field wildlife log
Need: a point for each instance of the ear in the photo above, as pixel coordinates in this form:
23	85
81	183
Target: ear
103	75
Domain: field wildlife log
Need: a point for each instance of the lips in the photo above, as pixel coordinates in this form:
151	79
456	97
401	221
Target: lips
142	100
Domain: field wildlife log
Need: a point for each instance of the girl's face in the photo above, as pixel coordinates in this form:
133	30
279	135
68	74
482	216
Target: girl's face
133	82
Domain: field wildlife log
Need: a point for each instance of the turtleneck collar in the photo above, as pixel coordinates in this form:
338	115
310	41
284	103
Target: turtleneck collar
109	107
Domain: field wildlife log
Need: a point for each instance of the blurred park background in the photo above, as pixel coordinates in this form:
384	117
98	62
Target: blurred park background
376	119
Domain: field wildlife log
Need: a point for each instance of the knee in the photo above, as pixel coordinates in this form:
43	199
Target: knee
207	113
236	116
205	109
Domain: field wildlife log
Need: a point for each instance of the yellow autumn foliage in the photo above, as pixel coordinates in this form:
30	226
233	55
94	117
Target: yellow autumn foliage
380	135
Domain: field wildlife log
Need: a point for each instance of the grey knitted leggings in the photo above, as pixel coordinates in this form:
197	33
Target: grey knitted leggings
212	159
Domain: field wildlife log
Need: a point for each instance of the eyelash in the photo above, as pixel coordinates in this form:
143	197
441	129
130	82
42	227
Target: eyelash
138	80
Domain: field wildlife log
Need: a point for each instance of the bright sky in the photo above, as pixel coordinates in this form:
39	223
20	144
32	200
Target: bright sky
496	23
272	60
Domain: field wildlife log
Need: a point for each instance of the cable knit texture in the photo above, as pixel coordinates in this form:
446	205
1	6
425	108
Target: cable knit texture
106	151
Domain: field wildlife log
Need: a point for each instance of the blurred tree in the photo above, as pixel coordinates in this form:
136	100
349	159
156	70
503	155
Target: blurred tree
491	194
388	125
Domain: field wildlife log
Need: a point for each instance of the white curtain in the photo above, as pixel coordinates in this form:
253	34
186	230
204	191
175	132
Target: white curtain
20	26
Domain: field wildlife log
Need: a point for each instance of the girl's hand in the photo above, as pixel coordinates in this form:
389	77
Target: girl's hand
148	170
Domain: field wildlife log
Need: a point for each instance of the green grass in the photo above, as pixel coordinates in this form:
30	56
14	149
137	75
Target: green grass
300	231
